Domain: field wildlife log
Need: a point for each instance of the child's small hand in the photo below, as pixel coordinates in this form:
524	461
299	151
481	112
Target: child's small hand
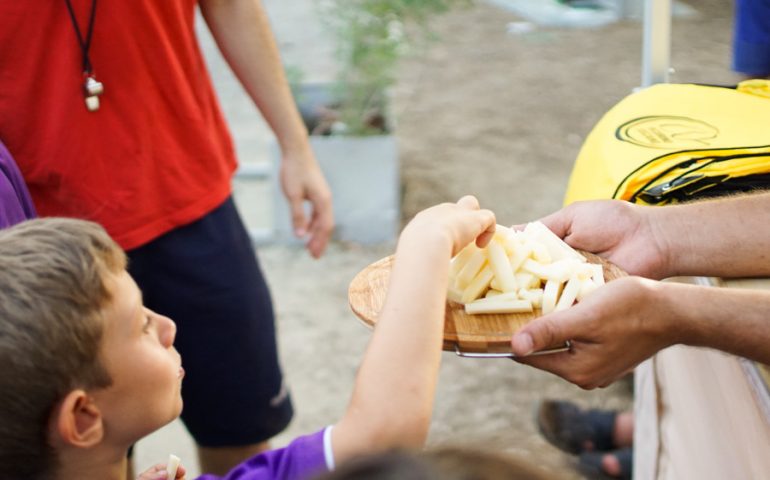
459	223
158	472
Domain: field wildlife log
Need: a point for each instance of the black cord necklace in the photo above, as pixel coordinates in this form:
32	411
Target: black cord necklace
91	87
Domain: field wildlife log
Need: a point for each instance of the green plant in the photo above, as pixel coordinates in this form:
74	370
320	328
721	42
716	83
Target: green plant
371	36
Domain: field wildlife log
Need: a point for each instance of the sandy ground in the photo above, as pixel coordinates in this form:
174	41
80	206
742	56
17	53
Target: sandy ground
500	116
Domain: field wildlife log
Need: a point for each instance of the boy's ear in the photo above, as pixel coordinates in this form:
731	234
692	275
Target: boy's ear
78	421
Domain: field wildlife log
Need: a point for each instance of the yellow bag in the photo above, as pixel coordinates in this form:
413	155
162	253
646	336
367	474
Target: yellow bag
675	142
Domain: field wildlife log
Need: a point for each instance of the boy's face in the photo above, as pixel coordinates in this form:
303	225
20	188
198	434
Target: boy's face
138	352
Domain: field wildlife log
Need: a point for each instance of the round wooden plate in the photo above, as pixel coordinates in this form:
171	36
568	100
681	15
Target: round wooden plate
471	335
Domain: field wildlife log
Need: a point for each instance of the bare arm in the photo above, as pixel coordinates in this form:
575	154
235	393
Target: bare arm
242	32
725	237
733	320
393	396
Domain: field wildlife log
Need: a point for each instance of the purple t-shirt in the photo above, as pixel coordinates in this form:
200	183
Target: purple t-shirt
303	458
15	202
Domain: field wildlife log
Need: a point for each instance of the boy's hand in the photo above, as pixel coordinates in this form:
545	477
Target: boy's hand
158	472
457	224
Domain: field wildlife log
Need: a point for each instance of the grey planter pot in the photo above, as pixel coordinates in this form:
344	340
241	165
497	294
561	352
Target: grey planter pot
363	174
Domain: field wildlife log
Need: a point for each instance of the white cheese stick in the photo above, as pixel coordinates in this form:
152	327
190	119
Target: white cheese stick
526	280
459	260
471	268
455	294
502	232
569	294
560	271
598	275
556	246
478	285
534	295
550	295
540	253
587	287
494	306
584	271
535	268
500	297
520	254
501	267
172	466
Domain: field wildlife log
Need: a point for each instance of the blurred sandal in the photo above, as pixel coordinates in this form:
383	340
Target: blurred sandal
574	430
613	464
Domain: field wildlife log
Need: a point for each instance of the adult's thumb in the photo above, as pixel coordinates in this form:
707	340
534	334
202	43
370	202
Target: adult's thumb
542	333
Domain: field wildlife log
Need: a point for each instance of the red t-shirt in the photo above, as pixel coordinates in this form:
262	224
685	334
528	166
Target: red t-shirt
156	155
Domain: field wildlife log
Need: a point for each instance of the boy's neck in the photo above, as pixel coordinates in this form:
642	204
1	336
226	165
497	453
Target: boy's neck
91	465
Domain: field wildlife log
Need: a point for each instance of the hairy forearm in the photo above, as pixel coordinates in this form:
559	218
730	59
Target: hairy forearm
732	320
242	32
723	237
393	396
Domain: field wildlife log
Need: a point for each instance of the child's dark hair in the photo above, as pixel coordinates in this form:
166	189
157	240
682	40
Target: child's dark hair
54	285
441	464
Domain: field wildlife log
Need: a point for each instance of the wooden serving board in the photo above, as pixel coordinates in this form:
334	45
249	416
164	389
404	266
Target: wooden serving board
488	333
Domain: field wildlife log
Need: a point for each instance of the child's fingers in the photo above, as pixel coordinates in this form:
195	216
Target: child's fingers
489	223
469	201
180	473
486	219
156	472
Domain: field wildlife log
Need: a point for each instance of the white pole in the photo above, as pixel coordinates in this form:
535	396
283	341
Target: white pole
656	50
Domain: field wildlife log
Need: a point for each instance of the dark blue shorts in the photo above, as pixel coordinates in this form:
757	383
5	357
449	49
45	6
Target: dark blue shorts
751	38
205	277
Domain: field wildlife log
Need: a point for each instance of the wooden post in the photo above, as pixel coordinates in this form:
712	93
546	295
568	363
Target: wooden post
656	49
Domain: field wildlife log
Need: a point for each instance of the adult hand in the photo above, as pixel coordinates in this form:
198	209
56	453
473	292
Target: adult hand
611	331
158	472
621	232
301	180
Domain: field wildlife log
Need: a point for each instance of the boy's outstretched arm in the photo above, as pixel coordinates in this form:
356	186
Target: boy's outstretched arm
393	396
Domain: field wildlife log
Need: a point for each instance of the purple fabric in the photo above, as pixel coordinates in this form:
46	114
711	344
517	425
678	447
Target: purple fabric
301	459
15	202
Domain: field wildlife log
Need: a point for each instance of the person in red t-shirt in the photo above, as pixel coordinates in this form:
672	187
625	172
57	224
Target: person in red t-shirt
112	117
